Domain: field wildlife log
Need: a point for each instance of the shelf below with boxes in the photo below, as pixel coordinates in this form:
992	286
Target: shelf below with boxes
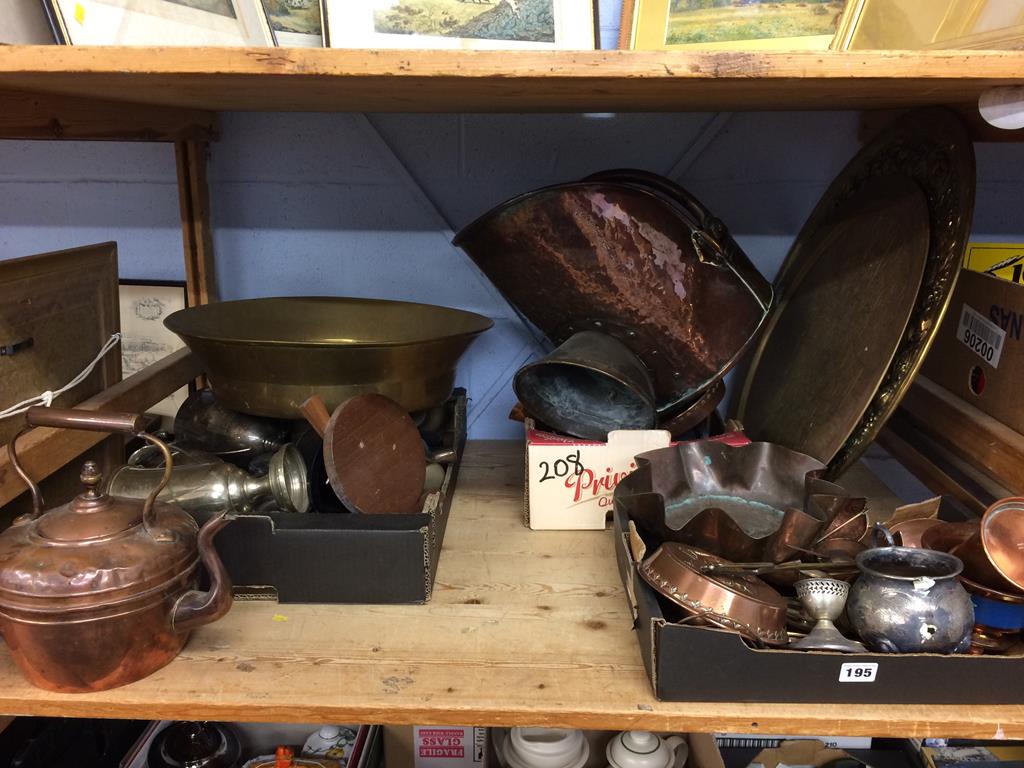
523	628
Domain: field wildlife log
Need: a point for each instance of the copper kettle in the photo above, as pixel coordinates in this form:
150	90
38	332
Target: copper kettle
101	592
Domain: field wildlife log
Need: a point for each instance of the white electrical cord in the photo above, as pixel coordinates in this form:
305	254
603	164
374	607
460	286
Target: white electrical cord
46	398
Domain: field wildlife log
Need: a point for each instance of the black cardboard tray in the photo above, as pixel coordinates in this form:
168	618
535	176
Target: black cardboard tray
688	663
344	558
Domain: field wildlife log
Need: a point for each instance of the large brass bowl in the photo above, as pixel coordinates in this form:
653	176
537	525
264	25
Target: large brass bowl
266	356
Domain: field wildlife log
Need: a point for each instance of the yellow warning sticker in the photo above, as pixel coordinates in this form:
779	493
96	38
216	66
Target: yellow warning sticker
80	13
1002	260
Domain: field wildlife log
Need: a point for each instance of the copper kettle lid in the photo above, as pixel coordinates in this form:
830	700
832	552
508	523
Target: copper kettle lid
93	551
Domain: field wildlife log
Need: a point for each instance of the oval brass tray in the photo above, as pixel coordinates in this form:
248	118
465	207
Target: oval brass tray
862	292
266	356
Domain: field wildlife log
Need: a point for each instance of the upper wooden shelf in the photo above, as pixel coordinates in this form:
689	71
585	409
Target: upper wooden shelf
525	627
279	79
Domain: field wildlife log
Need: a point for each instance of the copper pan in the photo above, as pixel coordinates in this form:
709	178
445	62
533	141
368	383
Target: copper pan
1002	538
910	533
753	502
743	604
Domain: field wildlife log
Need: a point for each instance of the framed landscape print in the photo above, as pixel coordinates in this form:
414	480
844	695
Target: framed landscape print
165	22
914	24
144	339
295	23
25	23
493	24
729	24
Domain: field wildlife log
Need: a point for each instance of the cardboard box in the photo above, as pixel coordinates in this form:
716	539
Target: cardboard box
978	353
344	558
259	738
1002	260
570	481
692	663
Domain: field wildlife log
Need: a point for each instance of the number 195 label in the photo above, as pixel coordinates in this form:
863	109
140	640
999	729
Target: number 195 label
858	673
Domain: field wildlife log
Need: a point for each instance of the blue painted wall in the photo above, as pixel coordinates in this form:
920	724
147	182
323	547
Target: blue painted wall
365	205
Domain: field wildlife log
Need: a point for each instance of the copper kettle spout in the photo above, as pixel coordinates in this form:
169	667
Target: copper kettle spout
196	608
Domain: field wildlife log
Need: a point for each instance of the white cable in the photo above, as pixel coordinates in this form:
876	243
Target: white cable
46	398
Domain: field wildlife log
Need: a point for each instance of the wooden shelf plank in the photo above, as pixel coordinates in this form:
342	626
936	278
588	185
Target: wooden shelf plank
54	116
525	627
283	79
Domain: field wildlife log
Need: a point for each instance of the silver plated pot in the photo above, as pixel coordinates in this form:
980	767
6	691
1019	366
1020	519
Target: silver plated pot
909	600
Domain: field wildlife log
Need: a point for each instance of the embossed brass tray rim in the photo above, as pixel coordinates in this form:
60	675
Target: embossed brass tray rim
944	132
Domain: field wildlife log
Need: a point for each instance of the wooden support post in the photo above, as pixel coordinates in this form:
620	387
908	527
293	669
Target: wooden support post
197	234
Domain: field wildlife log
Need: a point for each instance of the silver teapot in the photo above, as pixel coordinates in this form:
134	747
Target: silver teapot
909	600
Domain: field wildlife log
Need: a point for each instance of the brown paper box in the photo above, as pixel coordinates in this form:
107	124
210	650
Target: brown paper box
950	362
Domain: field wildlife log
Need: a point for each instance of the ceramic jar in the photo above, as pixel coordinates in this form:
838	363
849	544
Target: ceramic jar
909	601
544	748
643	749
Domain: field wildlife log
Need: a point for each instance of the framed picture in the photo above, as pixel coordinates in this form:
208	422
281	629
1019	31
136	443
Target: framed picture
25	22
144	339
914	24
295	23
165	22
729	24
480	24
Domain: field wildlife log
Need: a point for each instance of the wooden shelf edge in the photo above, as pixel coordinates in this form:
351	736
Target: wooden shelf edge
287	79
904	721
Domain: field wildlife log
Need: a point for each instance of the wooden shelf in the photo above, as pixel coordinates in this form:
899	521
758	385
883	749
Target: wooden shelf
280	79
525	627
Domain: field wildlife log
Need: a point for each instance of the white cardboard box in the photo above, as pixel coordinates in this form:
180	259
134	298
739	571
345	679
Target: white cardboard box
569	481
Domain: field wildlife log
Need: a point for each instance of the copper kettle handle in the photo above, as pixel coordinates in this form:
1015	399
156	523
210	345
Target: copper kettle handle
92	421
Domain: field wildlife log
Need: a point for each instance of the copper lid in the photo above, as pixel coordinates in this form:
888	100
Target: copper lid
743	604
93	551
1002	537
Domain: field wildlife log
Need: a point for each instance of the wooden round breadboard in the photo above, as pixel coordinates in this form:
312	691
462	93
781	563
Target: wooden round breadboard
374	456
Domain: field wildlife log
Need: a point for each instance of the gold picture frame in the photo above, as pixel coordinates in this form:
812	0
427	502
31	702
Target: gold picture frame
165	22
462	24
931	24
729	24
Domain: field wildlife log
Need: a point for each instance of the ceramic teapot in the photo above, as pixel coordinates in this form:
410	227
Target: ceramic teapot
101	592
643	749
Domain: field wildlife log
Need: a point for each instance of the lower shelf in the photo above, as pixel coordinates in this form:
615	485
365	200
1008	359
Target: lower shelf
524	628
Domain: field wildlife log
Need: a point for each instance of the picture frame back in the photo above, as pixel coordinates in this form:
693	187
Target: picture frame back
57	310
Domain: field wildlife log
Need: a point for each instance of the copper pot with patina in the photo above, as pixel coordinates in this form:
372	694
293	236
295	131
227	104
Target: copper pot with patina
101	592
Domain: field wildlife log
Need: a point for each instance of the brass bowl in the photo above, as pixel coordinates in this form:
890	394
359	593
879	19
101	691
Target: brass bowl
266	356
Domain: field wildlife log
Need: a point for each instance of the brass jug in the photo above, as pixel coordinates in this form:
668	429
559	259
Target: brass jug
101	592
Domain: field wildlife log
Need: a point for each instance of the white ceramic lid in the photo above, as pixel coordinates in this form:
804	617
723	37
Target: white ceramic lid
638	749
546	748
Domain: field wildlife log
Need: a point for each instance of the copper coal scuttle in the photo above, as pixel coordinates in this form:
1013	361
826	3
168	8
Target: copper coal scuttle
101	592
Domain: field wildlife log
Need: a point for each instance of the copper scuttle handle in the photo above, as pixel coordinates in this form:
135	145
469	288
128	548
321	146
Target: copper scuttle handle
91	421
195	608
